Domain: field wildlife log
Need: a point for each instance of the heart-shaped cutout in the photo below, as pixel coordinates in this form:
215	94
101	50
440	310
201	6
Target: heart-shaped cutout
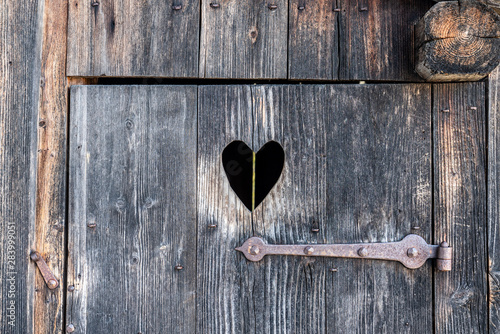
253	175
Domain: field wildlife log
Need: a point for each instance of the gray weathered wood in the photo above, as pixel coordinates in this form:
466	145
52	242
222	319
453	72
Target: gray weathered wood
243	39
377	44
133	38
378	188
313	40
133	175
223	293
358	166
289	292
493	199
20	51
461	304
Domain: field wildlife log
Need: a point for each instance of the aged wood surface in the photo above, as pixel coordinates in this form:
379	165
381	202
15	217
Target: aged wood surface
461	304
224	297
493	199
457	42
243	39
321	135
376	42
378	190
132	209
50	223
313	45
133	38
20	43
289	292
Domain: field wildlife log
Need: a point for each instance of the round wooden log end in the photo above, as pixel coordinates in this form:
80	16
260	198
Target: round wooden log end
457	42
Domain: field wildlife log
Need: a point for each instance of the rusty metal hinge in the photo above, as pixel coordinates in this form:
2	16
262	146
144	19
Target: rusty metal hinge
412	251
48	277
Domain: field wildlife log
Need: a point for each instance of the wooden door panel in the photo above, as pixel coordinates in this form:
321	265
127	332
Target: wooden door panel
133	38
357	163
132	209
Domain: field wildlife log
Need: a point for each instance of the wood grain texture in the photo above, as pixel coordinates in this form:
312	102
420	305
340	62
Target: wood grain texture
20	50
133	38
457	41
461	302
376	44
313	45
378	189
290	292
224	295
50	218
132	209
493	199
244	39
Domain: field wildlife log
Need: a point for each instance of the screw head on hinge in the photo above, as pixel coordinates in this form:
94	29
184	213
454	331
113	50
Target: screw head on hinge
362	252
308	250
70	328
412	252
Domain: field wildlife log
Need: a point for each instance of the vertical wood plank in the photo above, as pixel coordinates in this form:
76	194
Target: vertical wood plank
460	206
378	188
289	292
313	46
244	39
133	38
493	198
376	40
20	50
224	295
132	209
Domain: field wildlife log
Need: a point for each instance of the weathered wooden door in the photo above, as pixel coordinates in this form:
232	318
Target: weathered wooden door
153	221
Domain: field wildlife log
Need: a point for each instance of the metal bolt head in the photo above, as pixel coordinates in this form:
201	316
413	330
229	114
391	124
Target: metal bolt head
70	328
412	252
71	288
362	252
308	250
35	256
272	6
52	284
254	250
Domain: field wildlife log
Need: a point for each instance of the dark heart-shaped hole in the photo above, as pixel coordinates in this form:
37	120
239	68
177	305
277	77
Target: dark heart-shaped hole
253	175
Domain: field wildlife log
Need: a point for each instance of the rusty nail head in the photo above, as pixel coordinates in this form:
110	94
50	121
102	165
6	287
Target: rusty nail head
179	267
212	226
308	250
70	328
272	6
363	9
445	110
52	283
35	256
412	252
95	4
416	227
315	229
336	9
214	5
473	108
334	270
177	7
71	288
254	250
362	252
301	7
91	225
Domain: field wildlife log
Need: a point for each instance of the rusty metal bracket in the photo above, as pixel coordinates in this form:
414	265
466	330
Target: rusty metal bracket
48	277
412	251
